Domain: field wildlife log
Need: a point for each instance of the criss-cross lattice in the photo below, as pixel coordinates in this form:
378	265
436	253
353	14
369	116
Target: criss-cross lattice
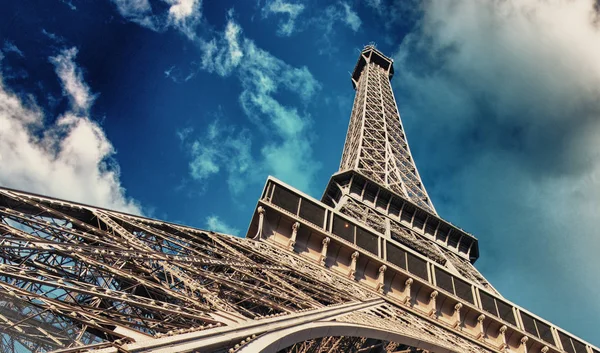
375	143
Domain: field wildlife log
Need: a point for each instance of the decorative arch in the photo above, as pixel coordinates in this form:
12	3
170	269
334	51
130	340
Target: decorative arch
280	339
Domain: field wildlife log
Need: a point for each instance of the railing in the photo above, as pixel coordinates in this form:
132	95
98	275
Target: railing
400	262
408	213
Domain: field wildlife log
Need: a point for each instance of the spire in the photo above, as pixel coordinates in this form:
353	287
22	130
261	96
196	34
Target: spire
376	145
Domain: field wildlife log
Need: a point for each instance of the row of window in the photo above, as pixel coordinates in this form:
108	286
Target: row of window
370	192
355	234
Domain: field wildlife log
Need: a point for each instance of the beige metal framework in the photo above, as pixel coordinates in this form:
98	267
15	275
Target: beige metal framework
375	144
369	268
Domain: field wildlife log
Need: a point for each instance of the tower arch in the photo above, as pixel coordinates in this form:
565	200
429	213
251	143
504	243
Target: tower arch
279	340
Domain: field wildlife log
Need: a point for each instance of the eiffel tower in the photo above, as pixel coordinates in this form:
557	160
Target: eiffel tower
370	268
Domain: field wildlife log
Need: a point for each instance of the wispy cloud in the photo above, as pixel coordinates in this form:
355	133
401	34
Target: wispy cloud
184	133
69	159
53	37
351	18
220	149
279	7
223	53
137	11
514	98
394	13
216	224
340	12
69	4
10	47
286	150
177	75
74	87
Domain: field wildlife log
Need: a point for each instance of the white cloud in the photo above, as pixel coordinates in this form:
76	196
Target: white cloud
509	91
223	54
287	152
286	28
72	81
328	20
232	33
128	8
206	160
181	10
221	147
285	130
214	223
183	15
137	11
69	159
351	18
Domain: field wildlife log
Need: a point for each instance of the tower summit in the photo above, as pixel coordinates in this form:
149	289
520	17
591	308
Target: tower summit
369	268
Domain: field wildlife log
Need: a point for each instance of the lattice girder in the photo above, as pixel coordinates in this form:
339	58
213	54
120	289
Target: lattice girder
101	276
375	143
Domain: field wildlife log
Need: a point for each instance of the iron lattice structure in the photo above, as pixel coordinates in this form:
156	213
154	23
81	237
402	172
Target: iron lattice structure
369	268
375	144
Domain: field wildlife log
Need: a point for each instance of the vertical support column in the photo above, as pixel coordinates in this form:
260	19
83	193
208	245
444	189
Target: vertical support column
523	346
456	316
261	219
381	279
292	241
323	255
430	276
406	291
520	325
480	330
354	259
432	304
502	336
556	337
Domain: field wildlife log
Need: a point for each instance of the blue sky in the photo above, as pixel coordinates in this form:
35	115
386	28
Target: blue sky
179	109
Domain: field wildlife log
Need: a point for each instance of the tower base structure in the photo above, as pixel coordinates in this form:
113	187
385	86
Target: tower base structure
76	278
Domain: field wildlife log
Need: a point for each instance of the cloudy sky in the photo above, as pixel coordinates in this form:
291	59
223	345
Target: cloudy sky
179	109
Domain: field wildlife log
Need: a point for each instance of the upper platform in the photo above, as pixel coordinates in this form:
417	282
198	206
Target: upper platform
371	54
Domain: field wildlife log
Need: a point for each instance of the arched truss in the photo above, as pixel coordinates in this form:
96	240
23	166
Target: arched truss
382	322
275	342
